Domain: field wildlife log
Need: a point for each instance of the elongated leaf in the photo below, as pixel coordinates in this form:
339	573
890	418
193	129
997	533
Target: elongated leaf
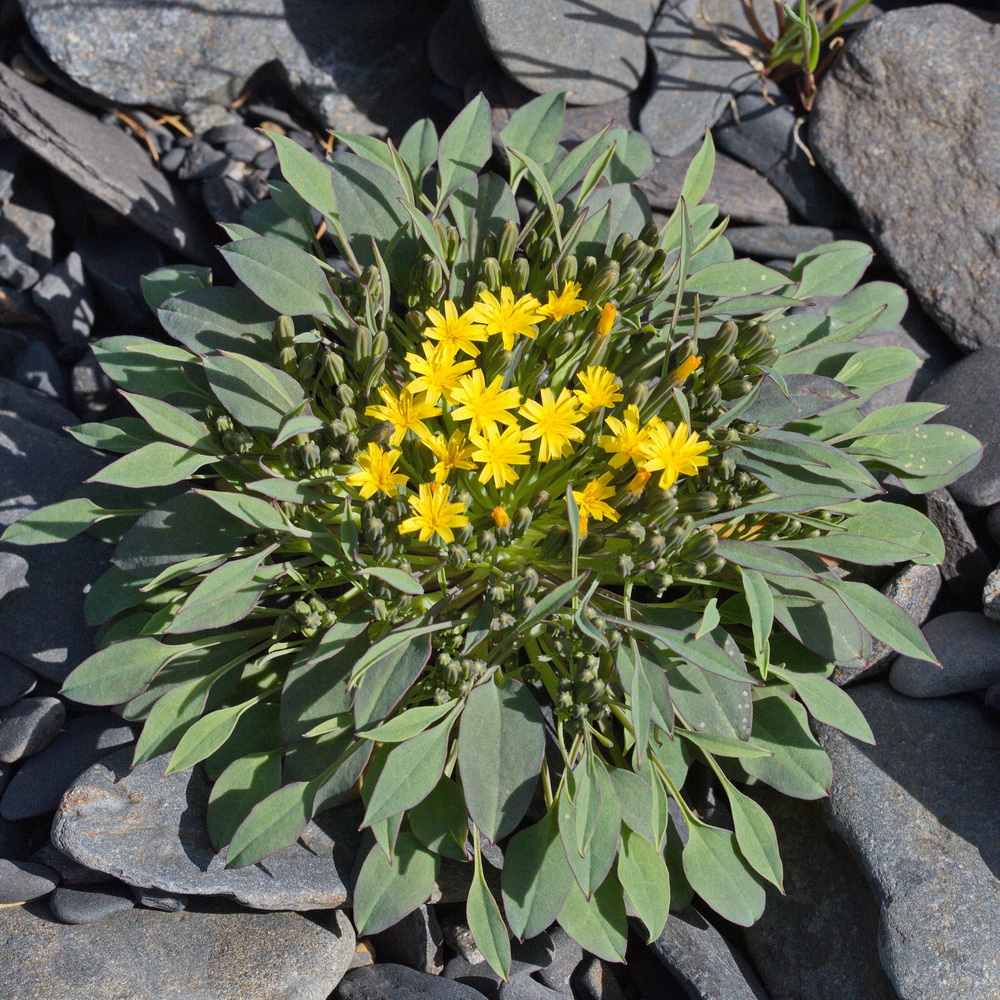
309	176
535	127
488	929
868	298
408	724
807	395
55	523
832	270
206	736
165	282
500	745
464	148
396	578
157	464
738	277
723	746
754	833
761	558
206	320
273	823
388	679
702	652
827	702
820	620
140	365
418	148
172	714
761	605
644	877
590	826
237	790
640	798
254	393
597	924
717	872
699	172
251	510
119	672
172	423
385	893
632	158
441	822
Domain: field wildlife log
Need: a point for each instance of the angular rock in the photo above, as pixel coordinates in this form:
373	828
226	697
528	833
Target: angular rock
86	906
29	725
150	830
904	100
94	395
595	981
64	297
115	258
415	942
13	573
968	389
36	368
596	52
991	596
144	955
16	267
929	843
69	872
157	899
523	987
820	939
385	981
15	681
965	566
103	160
966	643
41	780
914	588
19	400
456	47
565	957
22	880
785	242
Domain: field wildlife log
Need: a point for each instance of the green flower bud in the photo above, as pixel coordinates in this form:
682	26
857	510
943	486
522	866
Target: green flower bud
714	565
555	541
721	368
309	455
284	332
237	442
362	345
371	278
380	343
755	337
724	341
223	423
546	251
520	273
603	283
660	582
765	357
634	531
528	581
306	367
588	269
452	240
524	605
539	503
431	275
486	541
492	274
724	466
625	565
650	233
330	456
332	369
288	359
700	545
736	388
653	545
591	543
566	270
458	556
520	522
697	503
507	244
621	243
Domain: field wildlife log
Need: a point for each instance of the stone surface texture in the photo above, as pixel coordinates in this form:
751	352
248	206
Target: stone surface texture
904	99
927	839
149	830
386	981
29	725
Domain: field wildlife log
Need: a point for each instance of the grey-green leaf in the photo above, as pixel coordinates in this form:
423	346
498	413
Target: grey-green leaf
644	877
385	893
717	872
273	823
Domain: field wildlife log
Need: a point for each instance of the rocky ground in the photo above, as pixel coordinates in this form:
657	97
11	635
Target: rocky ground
128	132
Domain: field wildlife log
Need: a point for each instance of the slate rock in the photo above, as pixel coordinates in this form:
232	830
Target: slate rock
966	643
565	957
991	697
820	939
13	573
694	74
764	133
770	242
29	725
595	981
914	588
28	218
94	395
157	899
16	266
15	680
597	53
904	100
114	259
87	906
473	970
70	873
928	842
386	981
415	942
170	162
35	367
22	880
150	830
144	955
64	297
523	987
703	962
456	47
202	161
225	199
41	780
34	406
968	389
103	160
991	596
966	565
13	836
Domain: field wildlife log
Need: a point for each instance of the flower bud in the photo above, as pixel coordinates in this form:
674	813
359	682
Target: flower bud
332	369
309	455
701	544
431	275
724	341
486	541
362	346
284	332
721	368
650	233
591	543
521	521
622	241
566	270
697	503
604	282
237	442
458	556
507	244
306	367
524	605
588	269
520	273
736	388
539	503
555	541
653	545
608	316
492	274
625	565
288	359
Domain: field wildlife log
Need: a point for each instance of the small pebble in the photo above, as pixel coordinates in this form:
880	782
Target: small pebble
29	725
157	899
203	161
15	681
86	906
23	880
171	161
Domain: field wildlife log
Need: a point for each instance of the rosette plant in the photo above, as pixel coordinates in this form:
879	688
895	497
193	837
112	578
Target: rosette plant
510	526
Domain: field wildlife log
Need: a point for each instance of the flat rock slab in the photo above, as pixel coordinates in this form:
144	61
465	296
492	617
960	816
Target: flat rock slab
146	955
386	981
104	161
919	810
906	99
150	830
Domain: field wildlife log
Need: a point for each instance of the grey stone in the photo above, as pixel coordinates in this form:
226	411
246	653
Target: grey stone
144	955
202	161
965	566
13	573
966	643
41	780
86	906
566	956
695	74
968	389
64	297
597	53
903	100
766	133
16	267
13	837
157	899
17	399
456	47
22	880
225	199
914	588
103	160
523	987
385	981
69	872
170	162
15	680
820	938
29	725
415	941
478	975
770	242
991	596
27	220
36	368
459	939
12	342
150	830
114	259
929	842
595	981
991	697
701	959
94	394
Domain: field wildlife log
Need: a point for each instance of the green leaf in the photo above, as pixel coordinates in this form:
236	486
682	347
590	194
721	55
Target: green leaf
256	732
165	282
408	724
275	822
254	393
877	367
760	602
535	127
870	297
367	146
120	434
485	922
396	578
710	703
172	714
55	523
207	320
643	802
590	825
536	877
119	672
391	642
206	736
254	511
717	872
157	464
237	790
389	678
646	881
386	892
807	395
760	558
441	822
598	924
310	177
732	278
899	419
500	744
937	453
574	165
632	158
464	148
418	148
140	365
831	270
723	746
172	423
827	702
282	276
754	833
699	172
702	652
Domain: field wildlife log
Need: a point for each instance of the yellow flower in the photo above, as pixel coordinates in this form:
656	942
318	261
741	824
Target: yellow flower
498	453
434	515
459	333
452	453
566	303
638	482
378	472
438	372
626	439
485	405
591	501
607	320
405	413
552	421
677	454
500	518
507	317
685	368
600	388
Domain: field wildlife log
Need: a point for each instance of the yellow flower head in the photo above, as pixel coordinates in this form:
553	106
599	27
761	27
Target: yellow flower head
638	482
592	501
685	368
507	317
485	405
552	421
626	439
451	453
405	412
600	388
677	454
500	518
459	333
434	515
608	315
566	303
437	372
498	453
378	472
